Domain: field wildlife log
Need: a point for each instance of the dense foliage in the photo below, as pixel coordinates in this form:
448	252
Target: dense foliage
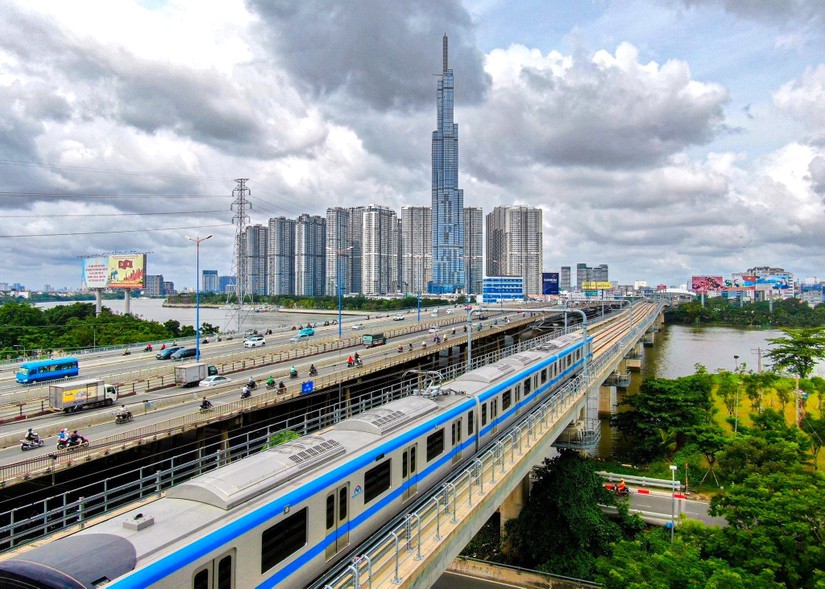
26	330
786	313
330	303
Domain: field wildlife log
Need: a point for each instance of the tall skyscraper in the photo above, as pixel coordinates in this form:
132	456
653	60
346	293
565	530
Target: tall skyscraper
473	249
416	249
380	250
310	255
564	280
515	245
447	198
281	260
254	241
209	281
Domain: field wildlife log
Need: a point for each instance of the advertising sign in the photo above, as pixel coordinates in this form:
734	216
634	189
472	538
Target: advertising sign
706	283
549	283
776	281
95	273
590	285
127	271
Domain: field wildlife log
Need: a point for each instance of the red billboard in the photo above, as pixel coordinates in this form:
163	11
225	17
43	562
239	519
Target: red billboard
702	284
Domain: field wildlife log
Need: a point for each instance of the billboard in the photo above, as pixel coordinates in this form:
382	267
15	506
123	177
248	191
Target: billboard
549	283
706	283
592	285
127	271
773	281
95	273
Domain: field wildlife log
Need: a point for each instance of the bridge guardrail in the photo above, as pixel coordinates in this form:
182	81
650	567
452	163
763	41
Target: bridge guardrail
642	481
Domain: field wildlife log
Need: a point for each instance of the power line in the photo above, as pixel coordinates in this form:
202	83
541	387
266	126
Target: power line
5	162
113	214
141	230
80	196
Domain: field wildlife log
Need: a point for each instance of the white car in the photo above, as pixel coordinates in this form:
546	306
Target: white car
254	341
433	330
358	326
213	381
398	318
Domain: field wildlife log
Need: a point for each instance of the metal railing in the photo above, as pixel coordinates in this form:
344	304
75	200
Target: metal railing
32	521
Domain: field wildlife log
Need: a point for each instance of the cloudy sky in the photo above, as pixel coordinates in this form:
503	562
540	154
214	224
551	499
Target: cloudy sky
662	137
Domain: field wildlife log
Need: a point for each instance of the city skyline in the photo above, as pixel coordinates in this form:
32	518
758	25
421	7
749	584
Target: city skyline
663	139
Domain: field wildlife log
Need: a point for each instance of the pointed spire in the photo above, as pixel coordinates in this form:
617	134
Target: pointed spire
444	53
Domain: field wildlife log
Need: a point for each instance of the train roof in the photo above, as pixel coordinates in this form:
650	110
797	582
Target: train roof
389	417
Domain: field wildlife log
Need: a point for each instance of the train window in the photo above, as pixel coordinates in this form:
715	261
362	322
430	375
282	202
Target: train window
483	414
342	503
376	481
224	573
435	444
506	400
201	579
456	432
470	423
283	539
409	456
544	376
528	386
330	510
412	459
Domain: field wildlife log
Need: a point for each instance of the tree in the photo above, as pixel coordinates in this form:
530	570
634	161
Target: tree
776	521
664	408
562	529
815	428
798	352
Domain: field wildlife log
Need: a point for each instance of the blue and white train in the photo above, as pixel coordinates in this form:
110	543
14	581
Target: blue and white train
284	515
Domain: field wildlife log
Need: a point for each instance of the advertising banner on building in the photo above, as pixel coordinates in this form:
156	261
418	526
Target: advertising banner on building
127	271
592	285
773	281
706	283
549	283
95	273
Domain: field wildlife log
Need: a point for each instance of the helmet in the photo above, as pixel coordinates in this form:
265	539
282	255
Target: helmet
65	429
30	430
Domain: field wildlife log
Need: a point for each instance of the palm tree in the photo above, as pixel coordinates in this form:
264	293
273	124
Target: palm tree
798	352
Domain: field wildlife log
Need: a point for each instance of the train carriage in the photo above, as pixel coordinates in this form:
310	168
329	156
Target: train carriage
284	515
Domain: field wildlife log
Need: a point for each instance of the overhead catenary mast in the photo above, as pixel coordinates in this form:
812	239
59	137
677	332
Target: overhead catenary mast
240	220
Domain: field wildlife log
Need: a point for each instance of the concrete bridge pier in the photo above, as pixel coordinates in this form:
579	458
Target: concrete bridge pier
511	507
607	400
633	359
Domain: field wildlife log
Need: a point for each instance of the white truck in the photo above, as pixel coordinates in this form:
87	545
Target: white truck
189	375
80	394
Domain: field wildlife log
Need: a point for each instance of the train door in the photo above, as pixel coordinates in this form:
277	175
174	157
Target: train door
218	573
337	520
409	473
493	414
456	431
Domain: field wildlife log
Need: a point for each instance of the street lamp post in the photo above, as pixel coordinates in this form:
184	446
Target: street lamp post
673	468
736	396
338	253
198	241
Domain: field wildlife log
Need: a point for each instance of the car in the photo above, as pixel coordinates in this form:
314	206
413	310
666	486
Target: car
434	314
213	381
165	354
184	353
358	326
432	330
301	337
449	311
254	341
307	331
398	318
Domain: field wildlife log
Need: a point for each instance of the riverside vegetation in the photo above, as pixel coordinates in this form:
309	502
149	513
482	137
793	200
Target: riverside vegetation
761	470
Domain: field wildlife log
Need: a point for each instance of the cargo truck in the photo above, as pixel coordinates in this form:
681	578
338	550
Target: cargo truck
373	339
189	375
81	394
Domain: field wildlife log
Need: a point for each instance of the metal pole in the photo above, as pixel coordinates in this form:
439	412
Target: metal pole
736	400
198	241
340	296
673	500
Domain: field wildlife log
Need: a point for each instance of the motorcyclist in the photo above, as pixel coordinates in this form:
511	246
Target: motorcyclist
357	359
270	382
400	349
410	346
32	436
251	384
206	404
63	436
621	487
281	386
350	362
148	348
75	438
293	372
245	393
123	412
312	370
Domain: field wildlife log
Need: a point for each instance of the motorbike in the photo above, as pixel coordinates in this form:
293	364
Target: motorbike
252	385
124	417
313	371
621	491
31	444
246	394
208	409
400	349
69	444
293	374
358	362
271	385
148	348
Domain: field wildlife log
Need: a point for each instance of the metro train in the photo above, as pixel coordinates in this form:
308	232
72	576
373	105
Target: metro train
284	515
